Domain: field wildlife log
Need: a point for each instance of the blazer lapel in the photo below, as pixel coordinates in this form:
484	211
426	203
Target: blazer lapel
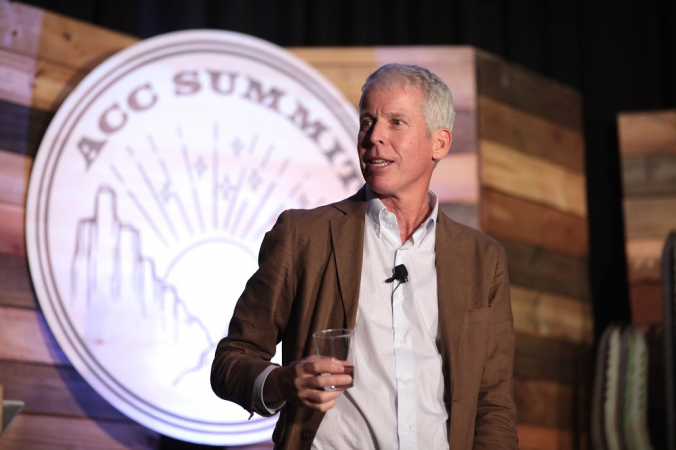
347	239
450	299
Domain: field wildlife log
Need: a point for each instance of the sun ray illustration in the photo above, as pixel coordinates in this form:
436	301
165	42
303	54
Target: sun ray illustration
171	194
252	145
238	216
191	178
235	196
259	207
268	155
147	217
117	174
215	173
138	205
153	146
283	167
156	198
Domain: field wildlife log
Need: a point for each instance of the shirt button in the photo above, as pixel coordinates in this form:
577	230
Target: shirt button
400	297
405	382
406	428
402	341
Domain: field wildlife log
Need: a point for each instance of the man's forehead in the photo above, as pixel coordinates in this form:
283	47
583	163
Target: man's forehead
395	84
398	90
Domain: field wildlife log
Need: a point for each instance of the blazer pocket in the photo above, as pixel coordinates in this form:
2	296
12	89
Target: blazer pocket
479	315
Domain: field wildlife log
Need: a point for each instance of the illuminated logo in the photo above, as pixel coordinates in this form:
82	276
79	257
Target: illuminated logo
148	201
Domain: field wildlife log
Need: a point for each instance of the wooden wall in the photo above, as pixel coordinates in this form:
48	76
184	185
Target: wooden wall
533	200
515	170
648	151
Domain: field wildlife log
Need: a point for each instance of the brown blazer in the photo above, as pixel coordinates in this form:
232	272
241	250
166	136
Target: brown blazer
308	280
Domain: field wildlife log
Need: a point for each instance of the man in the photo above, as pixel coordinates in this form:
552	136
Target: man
434	355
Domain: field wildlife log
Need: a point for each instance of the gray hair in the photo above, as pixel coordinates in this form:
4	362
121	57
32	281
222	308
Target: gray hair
437	105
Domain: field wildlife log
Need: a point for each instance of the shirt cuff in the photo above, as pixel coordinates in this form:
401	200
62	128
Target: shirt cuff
258	392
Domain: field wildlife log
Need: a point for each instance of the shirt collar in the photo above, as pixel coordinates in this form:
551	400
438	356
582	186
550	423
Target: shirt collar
376	213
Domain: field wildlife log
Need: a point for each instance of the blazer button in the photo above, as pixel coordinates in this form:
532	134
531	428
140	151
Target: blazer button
306	435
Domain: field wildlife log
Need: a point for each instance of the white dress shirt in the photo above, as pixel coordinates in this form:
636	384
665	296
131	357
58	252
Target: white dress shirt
397	398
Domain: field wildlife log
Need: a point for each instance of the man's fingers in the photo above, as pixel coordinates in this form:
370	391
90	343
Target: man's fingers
320	400
305	381
334	381
320	365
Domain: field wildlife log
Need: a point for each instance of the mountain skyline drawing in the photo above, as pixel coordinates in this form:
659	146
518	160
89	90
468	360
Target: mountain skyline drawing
124	311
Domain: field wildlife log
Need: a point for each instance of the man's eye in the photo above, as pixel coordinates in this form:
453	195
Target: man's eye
397	122
364	124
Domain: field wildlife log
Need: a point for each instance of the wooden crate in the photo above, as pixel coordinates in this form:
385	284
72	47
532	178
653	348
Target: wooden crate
515	170
648	154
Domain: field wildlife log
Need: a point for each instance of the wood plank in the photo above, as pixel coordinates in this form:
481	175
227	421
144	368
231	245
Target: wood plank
465	133
22	128
645	299
533	437
38	84
79	45
455	65
20	26
649	176
644	259
52	84
539	313
649	217
17	74
508	170
14	173
25	337
38	432
54	390
541	402
348	67
538	268
456	179
462	213
531	223
15	280
647	133
531	134
548	359
12	230
529	91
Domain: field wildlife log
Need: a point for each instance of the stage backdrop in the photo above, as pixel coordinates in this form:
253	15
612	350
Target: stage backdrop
515	170
648	149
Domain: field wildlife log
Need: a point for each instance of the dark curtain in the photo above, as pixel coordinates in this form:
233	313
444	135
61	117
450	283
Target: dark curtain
620	55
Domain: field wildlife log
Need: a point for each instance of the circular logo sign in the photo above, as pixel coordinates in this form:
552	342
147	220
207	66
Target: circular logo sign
149	197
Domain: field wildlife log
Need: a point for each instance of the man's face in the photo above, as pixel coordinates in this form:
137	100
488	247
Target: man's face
396	156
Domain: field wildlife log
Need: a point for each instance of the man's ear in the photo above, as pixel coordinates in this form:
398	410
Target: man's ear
442	143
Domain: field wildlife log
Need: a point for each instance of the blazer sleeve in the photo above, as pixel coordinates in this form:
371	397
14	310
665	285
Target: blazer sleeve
495	425
258	321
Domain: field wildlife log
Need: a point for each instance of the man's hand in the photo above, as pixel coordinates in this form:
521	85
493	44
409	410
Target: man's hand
302	382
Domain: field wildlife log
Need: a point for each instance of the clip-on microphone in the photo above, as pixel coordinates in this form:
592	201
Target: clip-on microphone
400	274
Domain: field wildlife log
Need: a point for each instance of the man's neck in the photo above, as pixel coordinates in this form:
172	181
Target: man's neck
410	212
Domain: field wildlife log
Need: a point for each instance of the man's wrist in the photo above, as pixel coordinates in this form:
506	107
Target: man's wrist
267	394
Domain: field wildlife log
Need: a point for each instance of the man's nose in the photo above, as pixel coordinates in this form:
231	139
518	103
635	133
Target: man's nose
376	133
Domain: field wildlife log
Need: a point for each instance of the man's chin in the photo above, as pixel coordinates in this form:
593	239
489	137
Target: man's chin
382	190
